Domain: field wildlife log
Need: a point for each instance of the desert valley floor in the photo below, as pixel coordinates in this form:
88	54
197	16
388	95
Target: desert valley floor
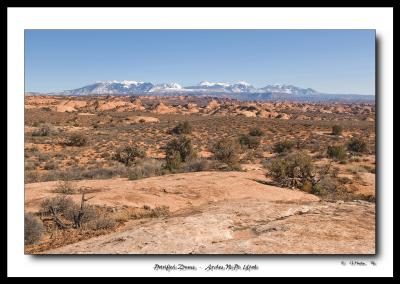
187	175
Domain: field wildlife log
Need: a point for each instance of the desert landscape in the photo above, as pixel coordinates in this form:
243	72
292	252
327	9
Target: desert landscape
183	174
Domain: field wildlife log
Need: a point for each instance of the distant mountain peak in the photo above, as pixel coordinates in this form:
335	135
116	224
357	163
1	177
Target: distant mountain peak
166	87
243	83
132	87
212	84
289	89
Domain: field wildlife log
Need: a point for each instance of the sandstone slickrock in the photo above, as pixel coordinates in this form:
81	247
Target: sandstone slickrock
161	108
246	227
225	213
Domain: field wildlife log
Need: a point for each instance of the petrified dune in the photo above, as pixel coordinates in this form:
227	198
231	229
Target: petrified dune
222	212
246	227
163	109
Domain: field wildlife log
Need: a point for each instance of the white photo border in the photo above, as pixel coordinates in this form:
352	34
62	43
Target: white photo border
19	19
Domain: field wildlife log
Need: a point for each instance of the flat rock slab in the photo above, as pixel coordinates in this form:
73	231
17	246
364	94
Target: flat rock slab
176	191
246	227
221	213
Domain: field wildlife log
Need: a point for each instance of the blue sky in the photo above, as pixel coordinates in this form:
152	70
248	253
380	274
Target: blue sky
330	61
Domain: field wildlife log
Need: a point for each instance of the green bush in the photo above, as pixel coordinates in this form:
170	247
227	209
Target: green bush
129	154
226	150
173	161
256	132
294	170
33	229
337	152
248	141
182	128
76	140
357	145
337	130
183	145
283	146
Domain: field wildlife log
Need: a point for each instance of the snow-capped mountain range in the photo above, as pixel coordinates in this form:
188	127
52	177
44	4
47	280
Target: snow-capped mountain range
204	87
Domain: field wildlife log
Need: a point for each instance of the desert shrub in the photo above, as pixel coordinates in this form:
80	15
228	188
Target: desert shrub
294	170
50	165
76	139
159	211
148	212
197	165
357	169
30	166
256	132
91	218
121	216
307	186
90	213
345	180
226	150
182	128
369	169
31	176
324	186
334	172
250	142
183	145
243	140
228	167
173	161
337	152
65	187
42	131
337	129
42	157
357	145
146	168
129	154
253	142
96	173
103	223
79	173
60	204
318	189
33	228
283	146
